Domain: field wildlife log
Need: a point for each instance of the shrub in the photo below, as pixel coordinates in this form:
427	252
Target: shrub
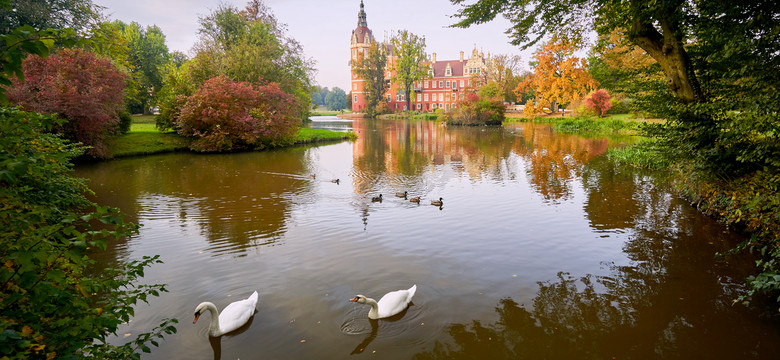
125	120
598	101
477	110
225	115
49	306
79	87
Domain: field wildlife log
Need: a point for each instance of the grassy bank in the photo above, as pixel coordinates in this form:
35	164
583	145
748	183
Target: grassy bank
328	112
144	139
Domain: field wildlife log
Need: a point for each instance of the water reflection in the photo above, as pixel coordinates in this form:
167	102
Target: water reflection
546	250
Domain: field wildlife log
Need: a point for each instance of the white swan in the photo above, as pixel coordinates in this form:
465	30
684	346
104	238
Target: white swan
232	317
392	303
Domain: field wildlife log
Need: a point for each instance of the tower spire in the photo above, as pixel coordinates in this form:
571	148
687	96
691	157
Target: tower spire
362	16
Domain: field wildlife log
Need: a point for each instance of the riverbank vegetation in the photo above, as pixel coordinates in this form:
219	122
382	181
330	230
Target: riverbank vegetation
708	69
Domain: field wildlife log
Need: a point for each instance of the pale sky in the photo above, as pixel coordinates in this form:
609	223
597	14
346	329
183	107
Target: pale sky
324	27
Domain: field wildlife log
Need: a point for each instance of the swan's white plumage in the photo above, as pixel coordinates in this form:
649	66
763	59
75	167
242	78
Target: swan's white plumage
232	316
391	304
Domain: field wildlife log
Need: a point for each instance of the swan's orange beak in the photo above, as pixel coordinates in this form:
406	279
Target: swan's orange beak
354	299
197	315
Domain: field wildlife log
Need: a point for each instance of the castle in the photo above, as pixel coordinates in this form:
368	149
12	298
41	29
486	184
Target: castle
444	86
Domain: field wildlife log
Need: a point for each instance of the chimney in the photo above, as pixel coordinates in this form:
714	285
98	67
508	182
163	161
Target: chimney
461	56
433	58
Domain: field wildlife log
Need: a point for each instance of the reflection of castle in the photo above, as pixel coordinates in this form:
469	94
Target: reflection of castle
440	90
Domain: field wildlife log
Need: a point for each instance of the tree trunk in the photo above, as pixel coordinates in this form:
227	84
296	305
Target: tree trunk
668	50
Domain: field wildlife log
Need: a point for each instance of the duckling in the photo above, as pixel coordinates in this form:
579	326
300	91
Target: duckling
336	181
415	199
403	194
377	198
437	202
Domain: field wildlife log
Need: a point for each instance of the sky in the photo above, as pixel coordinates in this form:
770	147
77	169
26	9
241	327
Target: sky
324	27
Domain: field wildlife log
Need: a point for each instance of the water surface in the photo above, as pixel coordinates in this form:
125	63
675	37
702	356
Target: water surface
543	249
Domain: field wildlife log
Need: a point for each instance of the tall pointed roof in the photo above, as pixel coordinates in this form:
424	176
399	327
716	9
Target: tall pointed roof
362	34
362	16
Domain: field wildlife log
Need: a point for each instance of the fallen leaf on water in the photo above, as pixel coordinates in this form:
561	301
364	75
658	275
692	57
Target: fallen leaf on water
303	341
127	335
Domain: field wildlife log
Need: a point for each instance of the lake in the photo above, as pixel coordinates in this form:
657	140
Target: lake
543	248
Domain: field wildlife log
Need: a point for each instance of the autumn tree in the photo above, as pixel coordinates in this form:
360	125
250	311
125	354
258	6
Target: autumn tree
559	77
503	70
370	67
598	101
408	62
78	86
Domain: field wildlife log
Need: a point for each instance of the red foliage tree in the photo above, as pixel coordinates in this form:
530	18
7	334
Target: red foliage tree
78	86
225	115
599	102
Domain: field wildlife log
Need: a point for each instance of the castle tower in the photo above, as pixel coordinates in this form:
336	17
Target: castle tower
359	43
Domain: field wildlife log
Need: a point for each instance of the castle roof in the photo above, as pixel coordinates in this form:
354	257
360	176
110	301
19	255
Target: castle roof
440	68
362	34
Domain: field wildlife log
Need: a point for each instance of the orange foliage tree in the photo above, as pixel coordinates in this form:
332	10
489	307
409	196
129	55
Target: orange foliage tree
559	78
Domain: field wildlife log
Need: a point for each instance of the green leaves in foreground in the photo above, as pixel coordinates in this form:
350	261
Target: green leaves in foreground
53	302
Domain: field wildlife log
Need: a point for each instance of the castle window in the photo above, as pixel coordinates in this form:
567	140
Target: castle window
448	84
441	84
426	84
355	100
434	97
418	97
461	83
426	97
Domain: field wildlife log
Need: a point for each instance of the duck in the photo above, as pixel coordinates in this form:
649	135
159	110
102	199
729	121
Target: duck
391	304
336	181
232	317
415	199
437	202
377	198
401	194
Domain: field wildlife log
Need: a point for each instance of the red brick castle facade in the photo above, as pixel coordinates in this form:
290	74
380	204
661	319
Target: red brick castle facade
444	86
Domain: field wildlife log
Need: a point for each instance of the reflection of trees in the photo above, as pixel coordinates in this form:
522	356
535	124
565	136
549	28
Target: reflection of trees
672	301
554	160
238	199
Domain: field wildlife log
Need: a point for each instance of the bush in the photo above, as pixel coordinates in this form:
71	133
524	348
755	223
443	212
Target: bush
598	101
125	120
477	110
225	115
49	306
79	87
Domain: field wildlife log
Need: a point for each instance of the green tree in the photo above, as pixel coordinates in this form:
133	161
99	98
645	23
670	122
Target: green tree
249	44
657	27
336	99
147	54
371	68
78	15
408	62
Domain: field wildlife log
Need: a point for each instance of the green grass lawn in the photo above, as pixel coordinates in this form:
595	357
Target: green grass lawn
144	138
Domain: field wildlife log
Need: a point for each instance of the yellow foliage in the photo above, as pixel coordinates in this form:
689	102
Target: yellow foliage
559	76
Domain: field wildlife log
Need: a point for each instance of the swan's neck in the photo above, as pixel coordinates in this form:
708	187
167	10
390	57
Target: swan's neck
374	312
214	329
